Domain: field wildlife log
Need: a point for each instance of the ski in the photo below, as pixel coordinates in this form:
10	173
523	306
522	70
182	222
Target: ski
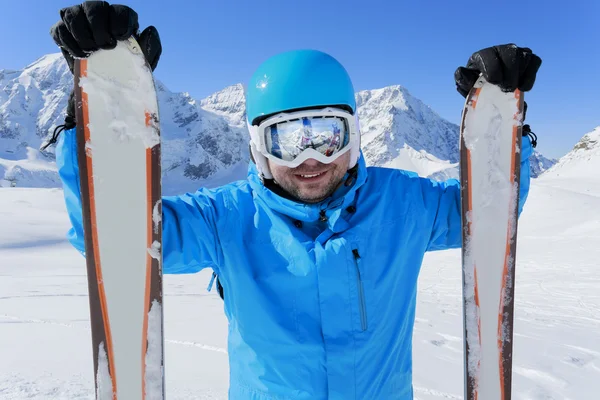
490	139
119	162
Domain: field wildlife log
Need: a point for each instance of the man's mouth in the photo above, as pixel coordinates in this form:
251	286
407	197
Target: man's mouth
311	177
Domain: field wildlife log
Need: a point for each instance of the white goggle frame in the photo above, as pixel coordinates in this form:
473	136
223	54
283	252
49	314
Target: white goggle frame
257	133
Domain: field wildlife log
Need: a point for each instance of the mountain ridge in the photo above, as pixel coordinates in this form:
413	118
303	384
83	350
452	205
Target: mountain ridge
205	141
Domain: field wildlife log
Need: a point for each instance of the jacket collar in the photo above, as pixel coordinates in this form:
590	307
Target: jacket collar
333	206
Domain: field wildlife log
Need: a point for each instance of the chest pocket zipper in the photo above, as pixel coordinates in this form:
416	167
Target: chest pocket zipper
361	292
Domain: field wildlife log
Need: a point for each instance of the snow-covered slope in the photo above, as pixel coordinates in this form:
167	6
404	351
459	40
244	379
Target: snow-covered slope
580	168
44	314
36	169
205	142
538	165
45	332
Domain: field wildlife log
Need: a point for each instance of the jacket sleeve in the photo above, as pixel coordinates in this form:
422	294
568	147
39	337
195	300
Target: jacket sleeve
443	199
190	240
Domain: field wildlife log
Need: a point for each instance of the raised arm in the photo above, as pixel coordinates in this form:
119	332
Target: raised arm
443	199
190	241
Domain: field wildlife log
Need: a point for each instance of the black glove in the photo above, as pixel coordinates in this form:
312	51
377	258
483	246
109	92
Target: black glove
507	66
94	25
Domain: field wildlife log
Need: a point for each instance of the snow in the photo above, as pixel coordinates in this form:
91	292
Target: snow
557	317
154	250
45	340
44	315
206	141
198	143
392	120
32	102
154	354
34	170
105	388
575	171
156	215
118	91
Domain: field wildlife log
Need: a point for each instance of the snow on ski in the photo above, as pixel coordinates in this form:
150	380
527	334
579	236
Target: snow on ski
119	162
489	148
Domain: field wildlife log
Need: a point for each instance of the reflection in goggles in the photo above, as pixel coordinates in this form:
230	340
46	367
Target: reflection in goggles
327	135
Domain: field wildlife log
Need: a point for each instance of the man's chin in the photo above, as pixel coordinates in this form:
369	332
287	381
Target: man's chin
312	199
315	195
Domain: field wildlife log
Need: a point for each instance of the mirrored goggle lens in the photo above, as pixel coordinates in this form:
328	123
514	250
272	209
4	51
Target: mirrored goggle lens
287	140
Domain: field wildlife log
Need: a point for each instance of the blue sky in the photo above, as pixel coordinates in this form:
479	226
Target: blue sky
212	44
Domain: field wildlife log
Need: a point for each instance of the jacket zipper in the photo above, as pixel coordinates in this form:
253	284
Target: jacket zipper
361	291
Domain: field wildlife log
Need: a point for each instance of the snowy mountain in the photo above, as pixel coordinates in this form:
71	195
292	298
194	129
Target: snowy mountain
578	169
540	164
205	142
229	103
198	143
400	131
44	312
32	101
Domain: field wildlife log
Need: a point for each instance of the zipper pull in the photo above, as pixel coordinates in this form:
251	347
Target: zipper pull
322	216
355	254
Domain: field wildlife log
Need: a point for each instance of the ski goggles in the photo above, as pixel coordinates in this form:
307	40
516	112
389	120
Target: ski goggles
289	139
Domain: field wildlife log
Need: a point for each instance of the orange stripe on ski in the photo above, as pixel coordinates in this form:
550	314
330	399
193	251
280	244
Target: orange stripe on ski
475	97
149	227
94	233
505	272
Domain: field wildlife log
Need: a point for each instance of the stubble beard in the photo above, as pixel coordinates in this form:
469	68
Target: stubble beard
314	193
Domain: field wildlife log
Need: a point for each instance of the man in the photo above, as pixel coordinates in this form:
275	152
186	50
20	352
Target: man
318	255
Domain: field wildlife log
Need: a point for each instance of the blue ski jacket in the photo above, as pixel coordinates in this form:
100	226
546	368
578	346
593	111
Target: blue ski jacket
320	298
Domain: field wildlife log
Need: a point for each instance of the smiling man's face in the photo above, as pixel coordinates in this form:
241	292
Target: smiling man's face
311	181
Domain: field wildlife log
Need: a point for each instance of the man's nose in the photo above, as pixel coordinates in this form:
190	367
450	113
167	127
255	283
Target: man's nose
310	163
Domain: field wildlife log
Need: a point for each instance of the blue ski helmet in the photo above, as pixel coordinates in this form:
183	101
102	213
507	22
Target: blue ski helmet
298	79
